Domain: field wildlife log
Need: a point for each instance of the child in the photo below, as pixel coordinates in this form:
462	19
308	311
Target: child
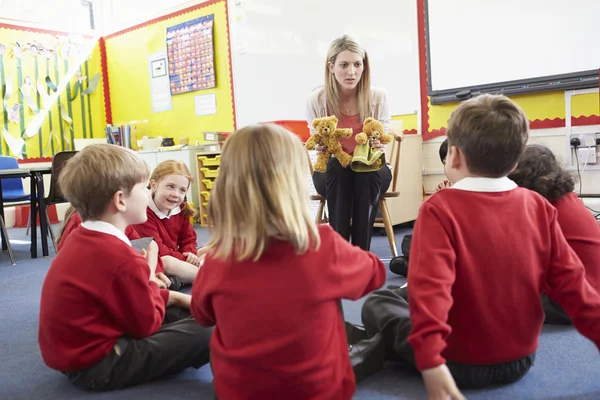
399	265
483	252
539	171
272	280
101	311
72	220
169	220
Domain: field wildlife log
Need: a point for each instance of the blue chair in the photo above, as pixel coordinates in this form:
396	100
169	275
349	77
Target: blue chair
12	188
13	194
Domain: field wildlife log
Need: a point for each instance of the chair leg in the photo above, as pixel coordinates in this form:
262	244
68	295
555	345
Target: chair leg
50	231
8	246
28	225
389	229
320	211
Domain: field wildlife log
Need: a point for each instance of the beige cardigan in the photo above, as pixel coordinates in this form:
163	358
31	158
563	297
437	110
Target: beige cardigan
317	107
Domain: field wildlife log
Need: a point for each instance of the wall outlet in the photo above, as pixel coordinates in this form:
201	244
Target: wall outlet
586	155
586	139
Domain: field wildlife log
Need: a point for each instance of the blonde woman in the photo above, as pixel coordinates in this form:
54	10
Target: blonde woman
272	280
349	96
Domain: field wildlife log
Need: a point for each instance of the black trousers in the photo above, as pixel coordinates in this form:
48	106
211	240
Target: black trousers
387	312
352	196
179	344
555	315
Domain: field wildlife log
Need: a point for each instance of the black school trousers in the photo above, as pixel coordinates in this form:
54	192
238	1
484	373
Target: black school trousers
179	344
352	196
387	312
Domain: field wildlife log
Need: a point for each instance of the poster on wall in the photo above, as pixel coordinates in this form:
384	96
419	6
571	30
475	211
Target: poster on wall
191	54
160	92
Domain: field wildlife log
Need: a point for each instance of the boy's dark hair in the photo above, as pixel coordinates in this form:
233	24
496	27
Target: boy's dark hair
539	171
491	131
90	179
444	150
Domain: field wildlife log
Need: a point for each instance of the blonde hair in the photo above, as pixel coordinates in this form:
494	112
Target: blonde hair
261	193
491	131
174	167
68	215
331	88
91	178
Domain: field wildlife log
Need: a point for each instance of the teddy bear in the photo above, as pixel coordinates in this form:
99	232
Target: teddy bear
372	129
326	134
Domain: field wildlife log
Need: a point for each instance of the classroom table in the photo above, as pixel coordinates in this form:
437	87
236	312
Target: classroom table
37	186
4	174
36	207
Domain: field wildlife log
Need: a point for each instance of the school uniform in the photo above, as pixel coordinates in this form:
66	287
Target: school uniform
351	195
482	253
581	231
75	222
101	316
173	233
279	332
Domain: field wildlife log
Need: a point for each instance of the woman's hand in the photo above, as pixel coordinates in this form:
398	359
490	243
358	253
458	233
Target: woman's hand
376	145
320	149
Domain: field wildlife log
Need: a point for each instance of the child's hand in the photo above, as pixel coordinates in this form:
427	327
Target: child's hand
445	184
179	299
202	251
440	384
164	279
192	259
161	284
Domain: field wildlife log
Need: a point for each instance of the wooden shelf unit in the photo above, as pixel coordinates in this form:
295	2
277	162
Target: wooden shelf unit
208	169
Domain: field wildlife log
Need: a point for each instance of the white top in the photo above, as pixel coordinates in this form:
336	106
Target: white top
479	184
105	227
159	213
317	107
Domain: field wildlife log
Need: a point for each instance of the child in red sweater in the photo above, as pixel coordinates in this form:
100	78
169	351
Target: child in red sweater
539	171
169	220
272	280
100	321
72	221
482	253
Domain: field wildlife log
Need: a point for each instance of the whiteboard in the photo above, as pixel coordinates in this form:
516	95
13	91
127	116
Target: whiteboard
474	42
279	49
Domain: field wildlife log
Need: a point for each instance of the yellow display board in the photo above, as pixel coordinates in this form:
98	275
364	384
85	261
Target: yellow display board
129	78
21	66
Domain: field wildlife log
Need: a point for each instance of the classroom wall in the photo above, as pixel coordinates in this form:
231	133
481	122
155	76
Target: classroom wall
129	80
82	116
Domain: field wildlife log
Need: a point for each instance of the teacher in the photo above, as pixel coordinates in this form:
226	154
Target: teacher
348	94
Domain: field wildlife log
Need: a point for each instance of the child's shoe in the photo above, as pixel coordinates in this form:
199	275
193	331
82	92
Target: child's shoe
367	356
399	265
175	283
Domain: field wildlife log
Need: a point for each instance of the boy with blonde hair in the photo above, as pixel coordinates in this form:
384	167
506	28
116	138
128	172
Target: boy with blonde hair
483	251
101	310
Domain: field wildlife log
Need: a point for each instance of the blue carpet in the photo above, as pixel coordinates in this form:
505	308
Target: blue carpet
567	365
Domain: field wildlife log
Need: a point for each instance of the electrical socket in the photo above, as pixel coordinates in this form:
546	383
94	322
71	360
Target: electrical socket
586	139
586	155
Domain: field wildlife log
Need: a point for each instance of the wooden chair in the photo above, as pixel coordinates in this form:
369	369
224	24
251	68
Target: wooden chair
385	218
392	192
321	217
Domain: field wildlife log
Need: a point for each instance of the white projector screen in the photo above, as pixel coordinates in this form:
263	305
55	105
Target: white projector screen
472	43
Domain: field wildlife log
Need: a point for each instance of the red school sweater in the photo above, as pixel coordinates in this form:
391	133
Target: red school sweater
75	222
174	235
478	264
582	233
279	333
96	290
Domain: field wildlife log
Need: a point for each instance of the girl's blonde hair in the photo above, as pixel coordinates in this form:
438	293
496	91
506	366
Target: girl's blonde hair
261	193
331	88
68	215
173	167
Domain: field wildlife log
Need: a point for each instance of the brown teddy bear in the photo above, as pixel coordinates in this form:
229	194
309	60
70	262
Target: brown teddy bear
372	129
327	135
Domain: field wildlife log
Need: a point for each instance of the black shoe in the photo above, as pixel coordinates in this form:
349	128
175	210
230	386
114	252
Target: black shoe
354	334
367	356
175	283
399	265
